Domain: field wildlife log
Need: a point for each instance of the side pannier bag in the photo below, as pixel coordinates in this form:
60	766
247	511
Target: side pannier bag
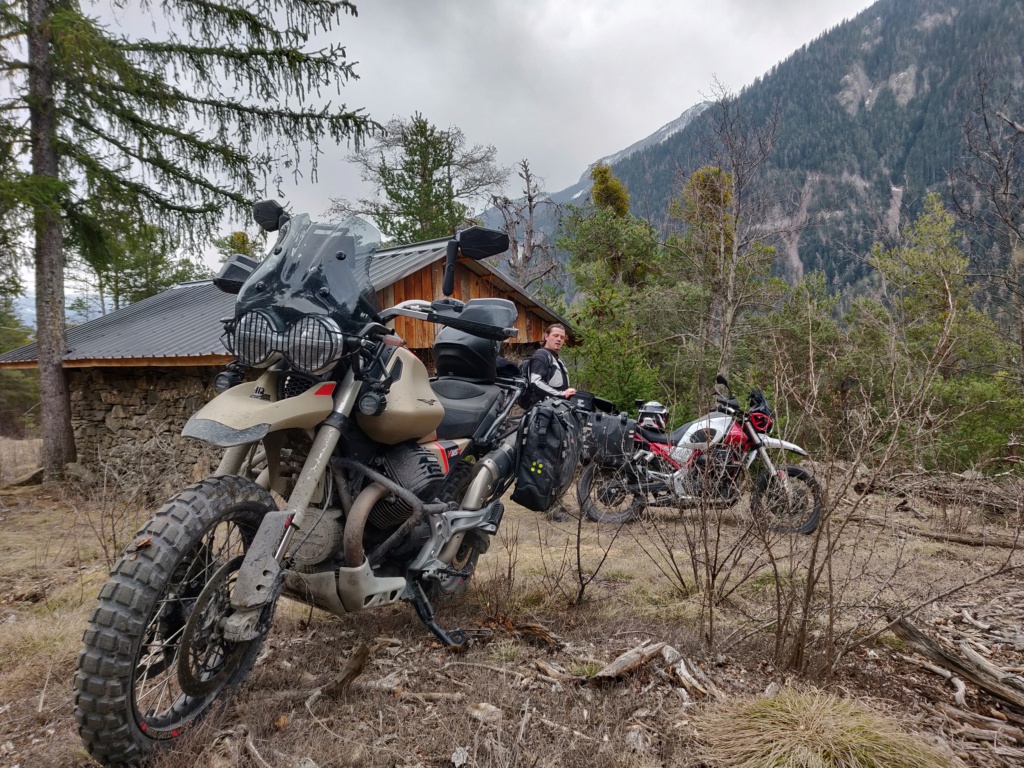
550	447
610	439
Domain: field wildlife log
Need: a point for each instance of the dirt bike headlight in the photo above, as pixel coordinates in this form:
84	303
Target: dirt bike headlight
315	344
255	341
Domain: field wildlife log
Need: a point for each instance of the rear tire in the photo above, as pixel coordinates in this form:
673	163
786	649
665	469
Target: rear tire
171	585
473	544
604	495
795	511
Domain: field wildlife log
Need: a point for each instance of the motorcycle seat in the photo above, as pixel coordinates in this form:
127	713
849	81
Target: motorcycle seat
469	406
654	436
678	432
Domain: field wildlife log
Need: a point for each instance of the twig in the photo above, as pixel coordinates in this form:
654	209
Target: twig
251	748
488	667
565	729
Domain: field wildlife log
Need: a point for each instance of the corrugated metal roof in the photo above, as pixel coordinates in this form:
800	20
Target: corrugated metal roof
185	321
392	264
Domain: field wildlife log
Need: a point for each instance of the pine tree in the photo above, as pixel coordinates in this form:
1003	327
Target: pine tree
172	130
425	178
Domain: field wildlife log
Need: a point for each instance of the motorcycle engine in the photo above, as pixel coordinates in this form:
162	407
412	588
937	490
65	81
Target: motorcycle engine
322	540
709	477
414	468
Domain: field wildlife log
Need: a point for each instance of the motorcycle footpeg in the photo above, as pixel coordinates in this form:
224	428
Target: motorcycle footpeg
494	515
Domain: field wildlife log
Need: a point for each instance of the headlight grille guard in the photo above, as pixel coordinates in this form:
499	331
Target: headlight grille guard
312	345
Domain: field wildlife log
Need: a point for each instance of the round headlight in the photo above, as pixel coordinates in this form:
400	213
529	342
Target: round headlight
315	343
255	339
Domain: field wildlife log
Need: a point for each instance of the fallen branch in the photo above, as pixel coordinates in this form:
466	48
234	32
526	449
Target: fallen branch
982	678
628	661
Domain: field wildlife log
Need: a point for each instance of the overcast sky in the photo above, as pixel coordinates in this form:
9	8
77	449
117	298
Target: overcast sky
558	82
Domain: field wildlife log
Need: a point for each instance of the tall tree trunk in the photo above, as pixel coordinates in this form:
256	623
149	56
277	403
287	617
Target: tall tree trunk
58	438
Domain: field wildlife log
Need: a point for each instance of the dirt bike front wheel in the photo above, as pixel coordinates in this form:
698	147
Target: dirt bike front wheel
605	496
154	660
788	500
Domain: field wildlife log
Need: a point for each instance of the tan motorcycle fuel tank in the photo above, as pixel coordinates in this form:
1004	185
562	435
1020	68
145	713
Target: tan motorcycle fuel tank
412	410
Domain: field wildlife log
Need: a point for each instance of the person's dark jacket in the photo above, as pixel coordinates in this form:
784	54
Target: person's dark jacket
546	374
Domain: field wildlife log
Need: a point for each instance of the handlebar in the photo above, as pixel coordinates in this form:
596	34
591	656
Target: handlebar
438	312
483	330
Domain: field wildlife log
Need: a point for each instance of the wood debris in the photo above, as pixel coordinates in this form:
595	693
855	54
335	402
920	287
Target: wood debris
628	661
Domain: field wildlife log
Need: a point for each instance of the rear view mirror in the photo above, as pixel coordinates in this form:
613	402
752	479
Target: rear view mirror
474	243
478	242
269	215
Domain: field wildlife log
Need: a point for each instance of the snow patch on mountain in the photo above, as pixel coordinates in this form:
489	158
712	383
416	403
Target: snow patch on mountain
661	135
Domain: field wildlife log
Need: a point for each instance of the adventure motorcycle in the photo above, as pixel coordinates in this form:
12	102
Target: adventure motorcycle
391	482
705	463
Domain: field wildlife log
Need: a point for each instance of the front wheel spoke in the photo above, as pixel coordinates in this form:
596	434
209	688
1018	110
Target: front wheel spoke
159	689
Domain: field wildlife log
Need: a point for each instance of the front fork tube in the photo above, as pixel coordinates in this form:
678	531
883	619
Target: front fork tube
317	461
261	568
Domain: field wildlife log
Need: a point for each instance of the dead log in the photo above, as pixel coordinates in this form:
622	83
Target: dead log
964	668
628	661
981	721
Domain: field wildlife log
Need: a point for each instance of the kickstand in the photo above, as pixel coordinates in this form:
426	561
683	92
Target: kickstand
457	638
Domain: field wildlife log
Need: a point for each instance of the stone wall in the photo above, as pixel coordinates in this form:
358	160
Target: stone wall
128	422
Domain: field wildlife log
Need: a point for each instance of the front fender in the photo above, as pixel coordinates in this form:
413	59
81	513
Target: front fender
249	411
774	442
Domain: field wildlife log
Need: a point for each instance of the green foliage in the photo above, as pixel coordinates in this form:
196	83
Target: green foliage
612	361
19	390
240	242
611	256
120	261
608	192
425	179
607	248
181	150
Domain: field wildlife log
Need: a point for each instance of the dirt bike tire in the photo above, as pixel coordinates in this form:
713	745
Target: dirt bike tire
159	592
473	545
603	499
805	515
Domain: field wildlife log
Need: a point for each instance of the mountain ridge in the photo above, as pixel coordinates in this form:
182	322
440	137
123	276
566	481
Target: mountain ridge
871	121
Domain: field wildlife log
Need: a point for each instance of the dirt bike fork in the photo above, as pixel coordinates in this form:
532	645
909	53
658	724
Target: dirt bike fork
259	578
457	638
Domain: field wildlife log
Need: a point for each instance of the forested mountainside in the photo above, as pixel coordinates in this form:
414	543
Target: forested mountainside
871	117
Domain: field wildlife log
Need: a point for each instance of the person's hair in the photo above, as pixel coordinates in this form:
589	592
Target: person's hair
552	327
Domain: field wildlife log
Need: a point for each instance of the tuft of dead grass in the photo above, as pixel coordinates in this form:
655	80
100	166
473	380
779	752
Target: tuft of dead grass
798	729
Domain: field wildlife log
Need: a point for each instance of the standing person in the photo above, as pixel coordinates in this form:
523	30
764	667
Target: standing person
545	371
547	377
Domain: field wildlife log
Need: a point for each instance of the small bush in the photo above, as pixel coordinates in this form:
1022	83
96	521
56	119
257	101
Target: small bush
796	729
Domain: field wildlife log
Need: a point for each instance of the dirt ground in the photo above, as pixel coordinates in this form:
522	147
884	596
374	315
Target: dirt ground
529	694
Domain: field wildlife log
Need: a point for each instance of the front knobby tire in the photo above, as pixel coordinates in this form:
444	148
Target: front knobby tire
154	662
788	501
604	495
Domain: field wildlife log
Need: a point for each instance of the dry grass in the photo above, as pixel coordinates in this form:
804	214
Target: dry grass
796	729
17	458
53	564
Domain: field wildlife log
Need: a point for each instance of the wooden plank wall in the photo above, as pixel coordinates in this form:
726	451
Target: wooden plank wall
426	284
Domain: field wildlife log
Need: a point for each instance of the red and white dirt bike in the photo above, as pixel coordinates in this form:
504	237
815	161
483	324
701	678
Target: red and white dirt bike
708	462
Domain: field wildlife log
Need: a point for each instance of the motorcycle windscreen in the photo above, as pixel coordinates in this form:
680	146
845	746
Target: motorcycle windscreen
314	269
